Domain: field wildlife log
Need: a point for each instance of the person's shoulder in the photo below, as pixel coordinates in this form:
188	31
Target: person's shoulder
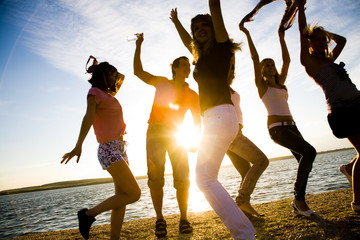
95	91
235	94
192	92
225	44
161	81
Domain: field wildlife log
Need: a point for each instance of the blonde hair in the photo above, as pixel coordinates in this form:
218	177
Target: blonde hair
309	32
277	75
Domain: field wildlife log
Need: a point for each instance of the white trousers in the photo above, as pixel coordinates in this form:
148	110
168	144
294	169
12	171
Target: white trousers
220	129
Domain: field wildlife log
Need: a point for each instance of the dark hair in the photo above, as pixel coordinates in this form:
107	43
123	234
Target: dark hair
175	64
100	76
196	47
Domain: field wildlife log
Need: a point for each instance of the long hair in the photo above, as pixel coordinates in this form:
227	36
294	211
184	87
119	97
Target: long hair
100	75
197	48
277	75
309	32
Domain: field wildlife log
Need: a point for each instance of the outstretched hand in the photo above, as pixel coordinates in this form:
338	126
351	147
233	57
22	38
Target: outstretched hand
174	15
68	156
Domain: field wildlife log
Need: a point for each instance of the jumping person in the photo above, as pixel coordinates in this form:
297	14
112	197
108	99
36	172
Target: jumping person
281	125
247	158
342	96
173	98
214	55
104	113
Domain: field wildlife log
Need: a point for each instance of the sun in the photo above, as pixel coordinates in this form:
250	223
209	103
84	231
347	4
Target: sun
188	135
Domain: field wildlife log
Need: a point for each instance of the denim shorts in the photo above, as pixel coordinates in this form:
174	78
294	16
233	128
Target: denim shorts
112	152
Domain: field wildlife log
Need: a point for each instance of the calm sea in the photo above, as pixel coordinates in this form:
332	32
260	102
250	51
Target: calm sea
53	210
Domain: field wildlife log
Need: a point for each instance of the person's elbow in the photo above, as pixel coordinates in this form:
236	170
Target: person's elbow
137	71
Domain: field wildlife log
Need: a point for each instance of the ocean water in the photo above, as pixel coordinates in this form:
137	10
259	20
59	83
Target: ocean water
54	210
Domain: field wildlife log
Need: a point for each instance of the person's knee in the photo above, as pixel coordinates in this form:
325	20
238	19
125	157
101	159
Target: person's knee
203	181
136	194
311	154
182	185
156	183
264	162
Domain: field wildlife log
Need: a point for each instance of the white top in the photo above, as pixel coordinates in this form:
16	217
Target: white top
276	101
235	98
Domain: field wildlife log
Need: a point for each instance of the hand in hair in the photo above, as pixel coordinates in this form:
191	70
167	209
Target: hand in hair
91	68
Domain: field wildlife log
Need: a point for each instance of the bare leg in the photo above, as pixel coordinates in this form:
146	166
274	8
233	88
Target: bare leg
126	191
182	198
117	219
157	200
355	141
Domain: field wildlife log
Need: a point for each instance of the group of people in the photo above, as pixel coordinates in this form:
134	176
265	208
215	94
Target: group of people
219	105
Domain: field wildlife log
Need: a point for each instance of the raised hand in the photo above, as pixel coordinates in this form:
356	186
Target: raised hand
140	38
174	15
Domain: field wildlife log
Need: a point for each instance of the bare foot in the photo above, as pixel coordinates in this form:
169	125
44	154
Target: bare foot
246	207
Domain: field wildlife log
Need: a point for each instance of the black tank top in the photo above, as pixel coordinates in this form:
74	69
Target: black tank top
211	73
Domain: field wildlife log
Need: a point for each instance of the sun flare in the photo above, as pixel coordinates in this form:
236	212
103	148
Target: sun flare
188	135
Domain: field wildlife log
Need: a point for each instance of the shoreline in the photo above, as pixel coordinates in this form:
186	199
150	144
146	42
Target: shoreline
87	182
337	221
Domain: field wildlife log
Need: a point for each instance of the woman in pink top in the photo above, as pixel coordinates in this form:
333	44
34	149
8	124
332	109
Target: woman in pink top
104	113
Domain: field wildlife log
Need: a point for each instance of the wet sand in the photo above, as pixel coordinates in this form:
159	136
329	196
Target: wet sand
337	221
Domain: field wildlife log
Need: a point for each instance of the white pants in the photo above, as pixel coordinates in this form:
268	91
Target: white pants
220	129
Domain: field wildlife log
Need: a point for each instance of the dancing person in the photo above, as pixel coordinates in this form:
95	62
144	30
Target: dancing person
242	152
104	113
342	96
214	55
281	125
173	98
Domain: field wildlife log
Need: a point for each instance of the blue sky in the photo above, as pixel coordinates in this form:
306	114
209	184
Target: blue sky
43	85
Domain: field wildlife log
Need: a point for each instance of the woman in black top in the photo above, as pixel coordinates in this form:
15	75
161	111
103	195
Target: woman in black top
214	55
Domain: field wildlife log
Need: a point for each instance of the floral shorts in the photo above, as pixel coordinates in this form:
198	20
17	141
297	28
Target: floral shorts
111	152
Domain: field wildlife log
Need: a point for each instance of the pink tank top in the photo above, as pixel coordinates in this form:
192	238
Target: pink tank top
109	123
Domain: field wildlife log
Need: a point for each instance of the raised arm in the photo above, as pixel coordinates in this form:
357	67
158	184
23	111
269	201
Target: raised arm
138	68
184	35
221	34
255	58
285	57
304	43
85	127
340	44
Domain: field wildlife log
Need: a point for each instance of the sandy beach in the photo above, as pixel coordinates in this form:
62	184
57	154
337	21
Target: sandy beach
337	221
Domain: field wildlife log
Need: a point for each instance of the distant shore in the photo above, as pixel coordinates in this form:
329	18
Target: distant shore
86	182
337	221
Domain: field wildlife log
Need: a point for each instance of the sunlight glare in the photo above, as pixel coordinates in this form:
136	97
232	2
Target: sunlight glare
188	135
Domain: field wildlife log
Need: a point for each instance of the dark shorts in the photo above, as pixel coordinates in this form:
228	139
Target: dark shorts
345	121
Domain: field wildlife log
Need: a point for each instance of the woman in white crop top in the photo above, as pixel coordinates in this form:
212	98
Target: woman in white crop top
342	96
281	125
